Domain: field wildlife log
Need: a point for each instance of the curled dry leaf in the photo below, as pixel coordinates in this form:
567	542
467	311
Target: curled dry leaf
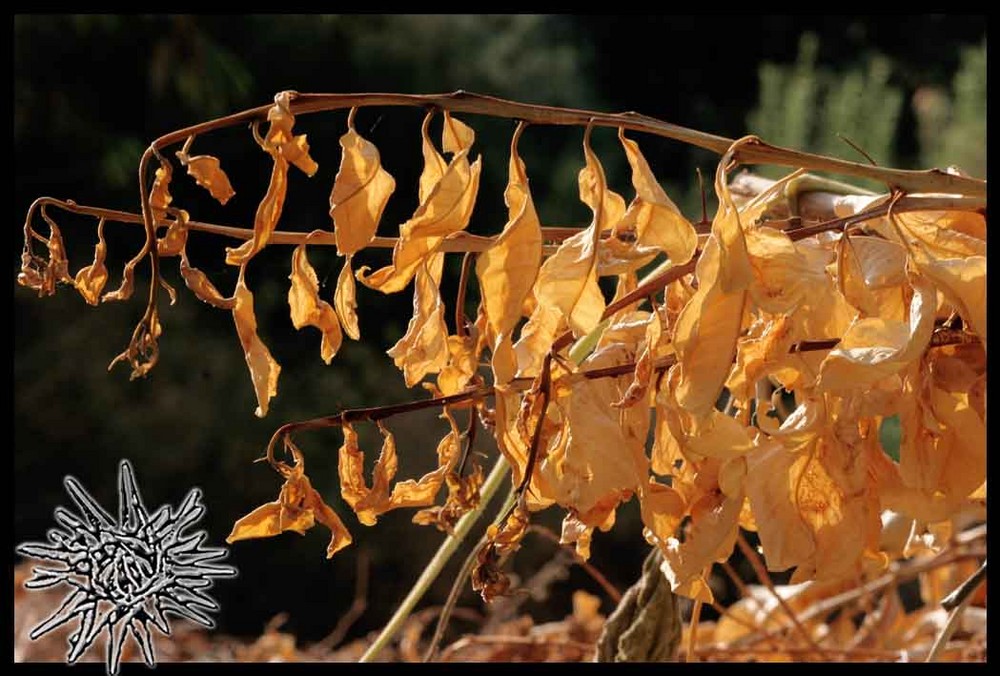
873	348
705	334
360	192
284	148
307	309
501	541
463	497
201	286
345	301
508	269
37	273
598	460
370	502
264	370
567	280
89	281
207	172
298	508
652	223
143	350
447	197
423	348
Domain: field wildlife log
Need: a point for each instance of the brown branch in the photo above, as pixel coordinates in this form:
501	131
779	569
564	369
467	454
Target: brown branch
598	577
449	605
765	579
463	282
753	152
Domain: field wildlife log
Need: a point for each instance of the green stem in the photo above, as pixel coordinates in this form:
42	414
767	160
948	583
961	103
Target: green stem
444	553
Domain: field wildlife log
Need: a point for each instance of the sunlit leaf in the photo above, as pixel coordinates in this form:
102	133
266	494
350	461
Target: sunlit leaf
307	309
424	347
298	508
360	192
345	301
202	286
264	370
446	202
89	281
207	172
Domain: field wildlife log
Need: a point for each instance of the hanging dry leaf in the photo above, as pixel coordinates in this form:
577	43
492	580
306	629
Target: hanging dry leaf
298	508
424	347
345	301
508	269
463	497
159	194
652	221
202	286
306	307
360	192
207	172
567	280
89	281
873	348
264	370
446	202
705	335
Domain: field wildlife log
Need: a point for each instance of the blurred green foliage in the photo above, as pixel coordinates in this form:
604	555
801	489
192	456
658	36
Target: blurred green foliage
90	91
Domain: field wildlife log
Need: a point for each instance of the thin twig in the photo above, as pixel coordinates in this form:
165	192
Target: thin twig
693	631
463	281
765	579
752	152
599	578
967	588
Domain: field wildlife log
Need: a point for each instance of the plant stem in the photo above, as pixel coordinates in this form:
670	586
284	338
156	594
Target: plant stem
444	553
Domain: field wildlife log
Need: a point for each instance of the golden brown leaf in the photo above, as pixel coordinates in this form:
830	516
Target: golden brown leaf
360	192
293	148
446	201
463	497
662	509
207	172
159	194
89	281
652	219
424	347
173	242
202	286
306	307
345	301
873	348
961	280
143	349
366	502
567	280
264	370
705	335
508	269
268	213
709	537
599	459
298	507
37	273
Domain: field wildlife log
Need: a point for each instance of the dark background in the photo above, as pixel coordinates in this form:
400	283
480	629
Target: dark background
90	92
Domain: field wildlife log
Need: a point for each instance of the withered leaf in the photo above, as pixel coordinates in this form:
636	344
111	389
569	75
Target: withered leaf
207	172
508	269
567	280
360	192
159	194
655	221
705	335
424	347
446	201
264	370
345	301
89	281
873	348
202	287
463	497
295	149
175	239
298	508
307	309
268	213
